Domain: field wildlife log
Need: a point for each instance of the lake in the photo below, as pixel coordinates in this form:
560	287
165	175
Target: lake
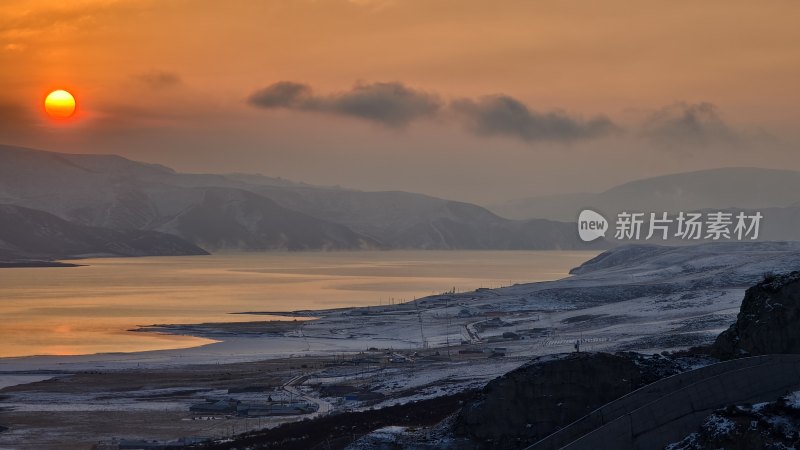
90	309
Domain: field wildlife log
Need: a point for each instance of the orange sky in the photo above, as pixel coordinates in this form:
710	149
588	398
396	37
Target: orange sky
168	81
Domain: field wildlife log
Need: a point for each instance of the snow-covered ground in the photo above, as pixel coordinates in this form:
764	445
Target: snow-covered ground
632	297
642	298
772	424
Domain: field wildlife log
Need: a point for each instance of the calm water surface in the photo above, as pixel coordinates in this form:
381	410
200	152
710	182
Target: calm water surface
83	310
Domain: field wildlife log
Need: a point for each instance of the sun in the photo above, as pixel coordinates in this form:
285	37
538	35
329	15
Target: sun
59	104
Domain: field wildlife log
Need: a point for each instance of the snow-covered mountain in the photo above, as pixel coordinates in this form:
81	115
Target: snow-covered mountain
255	212
27	234
743	188
217	218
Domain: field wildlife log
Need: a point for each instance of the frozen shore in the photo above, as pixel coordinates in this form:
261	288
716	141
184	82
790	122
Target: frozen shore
645	298
640	297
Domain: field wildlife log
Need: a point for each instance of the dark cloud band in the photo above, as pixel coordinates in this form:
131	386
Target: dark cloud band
684	124
390	104
396	105
501	115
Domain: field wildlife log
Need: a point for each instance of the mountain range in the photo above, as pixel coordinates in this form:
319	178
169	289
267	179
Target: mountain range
742	188
248	212
29	234
114	198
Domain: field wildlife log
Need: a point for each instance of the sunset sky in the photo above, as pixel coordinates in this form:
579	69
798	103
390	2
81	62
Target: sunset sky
473	100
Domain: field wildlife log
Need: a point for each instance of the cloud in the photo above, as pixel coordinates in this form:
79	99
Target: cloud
689	124
48	20
396	105
283	94
158	79
502	115
390	104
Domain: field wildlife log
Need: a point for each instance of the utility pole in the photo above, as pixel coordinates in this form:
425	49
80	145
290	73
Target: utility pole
447	327
308	346
421	331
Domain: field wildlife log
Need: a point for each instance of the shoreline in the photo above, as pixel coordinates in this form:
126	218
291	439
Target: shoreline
22	264
262	282
358	359
554	312
60	261
216	332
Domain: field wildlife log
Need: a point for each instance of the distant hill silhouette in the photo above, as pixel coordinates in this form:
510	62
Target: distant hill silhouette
743	188
254	212
28	234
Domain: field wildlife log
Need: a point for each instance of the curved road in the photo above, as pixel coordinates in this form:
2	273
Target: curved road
671	408
323	407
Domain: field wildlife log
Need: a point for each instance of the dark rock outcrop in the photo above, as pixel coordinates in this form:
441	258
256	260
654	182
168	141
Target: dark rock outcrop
768	321
541	397
771	425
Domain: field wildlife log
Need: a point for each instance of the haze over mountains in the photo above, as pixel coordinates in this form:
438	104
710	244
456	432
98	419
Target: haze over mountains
29	234
742	188
253	212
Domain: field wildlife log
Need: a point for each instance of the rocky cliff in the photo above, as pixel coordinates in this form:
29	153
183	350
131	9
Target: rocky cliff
768	321
768	425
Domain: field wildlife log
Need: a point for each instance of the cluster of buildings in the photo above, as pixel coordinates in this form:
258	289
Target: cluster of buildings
236	407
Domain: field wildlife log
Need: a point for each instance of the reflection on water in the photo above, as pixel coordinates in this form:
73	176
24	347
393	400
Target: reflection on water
81	310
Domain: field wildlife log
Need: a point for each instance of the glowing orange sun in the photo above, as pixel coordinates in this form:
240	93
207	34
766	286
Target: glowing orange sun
59	104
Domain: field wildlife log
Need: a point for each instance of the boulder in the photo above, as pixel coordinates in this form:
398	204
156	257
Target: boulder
768	321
